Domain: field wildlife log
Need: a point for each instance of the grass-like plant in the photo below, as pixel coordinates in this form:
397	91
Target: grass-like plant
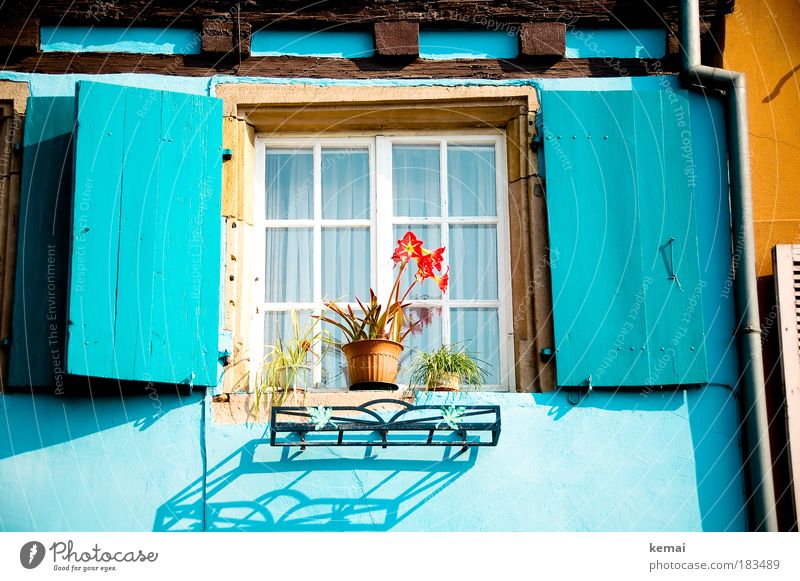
431	370
285	363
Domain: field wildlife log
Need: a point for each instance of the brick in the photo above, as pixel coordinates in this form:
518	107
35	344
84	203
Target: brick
543	39
222	37
397	39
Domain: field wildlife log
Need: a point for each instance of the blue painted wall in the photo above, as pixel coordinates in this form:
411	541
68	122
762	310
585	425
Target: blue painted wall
616	43
658	461
316	43
95	464
138	40
615	462
662	461
468	44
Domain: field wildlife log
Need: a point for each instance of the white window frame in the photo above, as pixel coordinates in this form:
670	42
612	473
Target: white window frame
382	223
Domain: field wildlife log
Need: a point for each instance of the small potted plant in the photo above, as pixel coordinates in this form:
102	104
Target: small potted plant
446	369
374	337
286	366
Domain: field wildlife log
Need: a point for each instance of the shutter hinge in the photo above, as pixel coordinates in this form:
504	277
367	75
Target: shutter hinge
227	153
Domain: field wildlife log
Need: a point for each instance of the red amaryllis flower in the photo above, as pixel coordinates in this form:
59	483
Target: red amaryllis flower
425	266
443	280
436	257
407	248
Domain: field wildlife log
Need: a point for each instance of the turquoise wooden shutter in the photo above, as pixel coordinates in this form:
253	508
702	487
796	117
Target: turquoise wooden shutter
627	292
145	265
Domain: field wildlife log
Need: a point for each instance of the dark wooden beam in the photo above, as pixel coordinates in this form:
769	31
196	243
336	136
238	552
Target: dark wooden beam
288	67
543	39
19	34
359	13
397	39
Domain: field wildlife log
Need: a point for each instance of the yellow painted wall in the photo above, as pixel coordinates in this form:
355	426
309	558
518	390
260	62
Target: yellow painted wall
763	40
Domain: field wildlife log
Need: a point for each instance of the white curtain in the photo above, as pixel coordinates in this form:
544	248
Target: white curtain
415	179
345	184
478	331
471	180
289	265
289	184
345	263
473	261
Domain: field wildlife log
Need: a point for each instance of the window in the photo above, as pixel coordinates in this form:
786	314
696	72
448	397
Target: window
330	210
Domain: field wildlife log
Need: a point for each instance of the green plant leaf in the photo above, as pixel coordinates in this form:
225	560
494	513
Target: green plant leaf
320	416
452	416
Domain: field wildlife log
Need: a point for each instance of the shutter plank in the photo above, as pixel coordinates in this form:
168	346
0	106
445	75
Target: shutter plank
96	231
669	239
595	247
139	206
191	226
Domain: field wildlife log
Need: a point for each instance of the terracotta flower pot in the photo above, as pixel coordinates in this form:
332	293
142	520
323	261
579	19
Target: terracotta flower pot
372	360
448	382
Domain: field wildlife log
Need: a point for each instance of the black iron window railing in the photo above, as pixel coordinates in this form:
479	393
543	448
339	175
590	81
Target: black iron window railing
385	422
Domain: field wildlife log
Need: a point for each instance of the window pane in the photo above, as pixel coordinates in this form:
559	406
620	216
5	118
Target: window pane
345	184
471	180
289	184
473	262
278	325
426	336
431	237
334	363
415	179
345	263
289	267
478	331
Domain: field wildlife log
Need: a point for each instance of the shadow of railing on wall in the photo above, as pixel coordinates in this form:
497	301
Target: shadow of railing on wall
381	492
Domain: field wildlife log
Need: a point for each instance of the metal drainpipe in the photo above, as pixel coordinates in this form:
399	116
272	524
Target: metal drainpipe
758	460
